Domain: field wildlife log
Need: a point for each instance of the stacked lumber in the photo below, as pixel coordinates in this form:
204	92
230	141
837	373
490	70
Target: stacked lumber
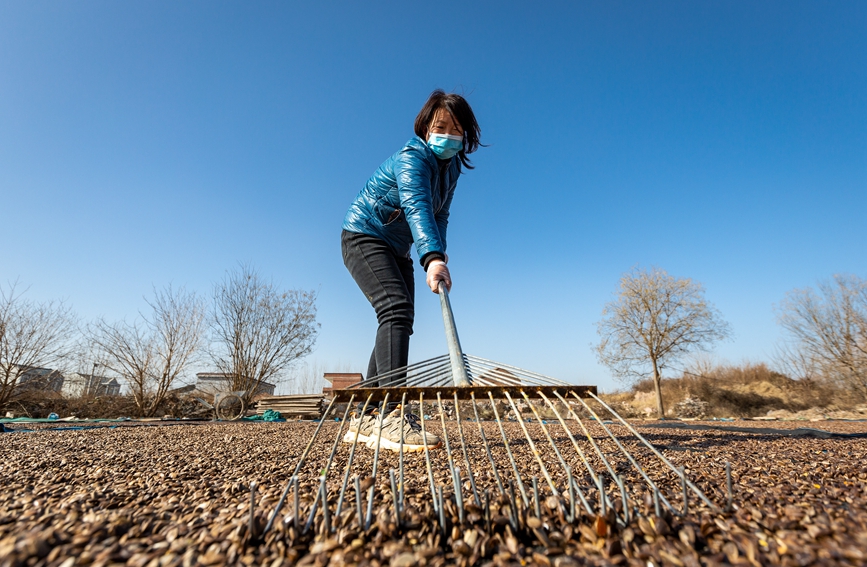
300	405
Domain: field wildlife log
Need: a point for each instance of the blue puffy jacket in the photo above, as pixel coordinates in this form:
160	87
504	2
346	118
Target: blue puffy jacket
407	200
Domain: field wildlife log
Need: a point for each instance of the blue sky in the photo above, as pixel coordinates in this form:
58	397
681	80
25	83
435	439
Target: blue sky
147	143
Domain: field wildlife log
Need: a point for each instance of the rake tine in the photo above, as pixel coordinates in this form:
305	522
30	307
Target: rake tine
334	451
313	508
372	488
729	496
578	449
683	482
252	527
315	434
571	486
395	497
448	447
513	507
533	447
358	505
622	486
488	510
399	502
298	466
459	497
296	497
650	446
442	509
536	504
433	491
581	497
547	434
487	447
602	497
589	437
544	429
622	449
326	520
569	433
466	456
509	452
339	431
351	457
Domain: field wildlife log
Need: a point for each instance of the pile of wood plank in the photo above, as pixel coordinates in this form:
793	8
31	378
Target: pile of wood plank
296	406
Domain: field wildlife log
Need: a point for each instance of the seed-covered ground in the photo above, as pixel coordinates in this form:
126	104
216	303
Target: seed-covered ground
180	495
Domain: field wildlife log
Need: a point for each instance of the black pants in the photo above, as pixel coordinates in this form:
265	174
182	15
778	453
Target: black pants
386	280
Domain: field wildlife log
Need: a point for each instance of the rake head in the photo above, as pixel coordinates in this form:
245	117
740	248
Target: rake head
436	375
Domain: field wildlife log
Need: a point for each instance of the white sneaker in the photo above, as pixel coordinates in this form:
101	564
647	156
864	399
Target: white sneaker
413	439
363	427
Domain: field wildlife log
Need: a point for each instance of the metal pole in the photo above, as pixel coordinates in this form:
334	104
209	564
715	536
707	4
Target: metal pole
89	388
456	355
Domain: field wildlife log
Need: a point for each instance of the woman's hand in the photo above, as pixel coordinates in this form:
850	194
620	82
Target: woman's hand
437	271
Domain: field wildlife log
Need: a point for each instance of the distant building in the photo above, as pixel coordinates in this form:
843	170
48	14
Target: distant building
76	385
39	379
215	382
340	380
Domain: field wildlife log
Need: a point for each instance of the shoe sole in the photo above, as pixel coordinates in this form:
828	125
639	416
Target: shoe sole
387	444
351	435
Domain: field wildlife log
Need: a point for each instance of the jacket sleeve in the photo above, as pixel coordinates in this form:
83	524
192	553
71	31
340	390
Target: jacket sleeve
413	175
442	217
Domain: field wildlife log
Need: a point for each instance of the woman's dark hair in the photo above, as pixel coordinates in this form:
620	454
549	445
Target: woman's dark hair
458	107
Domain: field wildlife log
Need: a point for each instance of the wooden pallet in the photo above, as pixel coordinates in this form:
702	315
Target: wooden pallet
300	405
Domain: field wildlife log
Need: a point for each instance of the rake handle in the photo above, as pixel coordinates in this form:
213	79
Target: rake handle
456	355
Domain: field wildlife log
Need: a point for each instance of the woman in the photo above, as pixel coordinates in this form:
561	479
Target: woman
406	201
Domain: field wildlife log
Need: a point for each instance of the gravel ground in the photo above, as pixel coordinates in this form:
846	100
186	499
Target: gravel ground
179	495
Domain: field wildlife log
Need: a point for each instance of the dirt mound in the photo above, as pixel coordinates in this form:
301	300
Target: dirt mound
744	391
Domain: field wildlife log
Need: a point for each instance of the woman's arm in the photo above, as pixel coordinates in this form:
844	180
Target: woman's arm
413	174
442	218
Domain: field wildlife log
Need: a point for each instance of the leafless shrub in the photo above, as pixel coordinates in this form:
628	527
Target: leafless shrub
32	334
259	331
796	363
655	321
828	331
150	354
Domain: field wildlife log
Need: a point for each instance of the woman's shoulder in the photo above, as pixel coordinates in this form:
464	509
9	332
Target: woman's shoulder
415	153
418	148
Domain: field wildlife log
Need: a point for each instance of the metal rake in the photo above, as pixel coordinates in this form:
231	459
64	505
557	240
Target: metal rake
561	419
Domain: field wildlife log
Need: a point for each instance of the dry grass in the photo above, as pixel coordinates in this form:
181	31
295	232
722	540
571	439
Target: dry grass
750	390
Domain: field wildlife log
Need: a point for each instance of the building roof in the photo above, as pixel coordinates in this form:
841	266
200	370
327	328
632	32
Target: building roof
332	376
208	376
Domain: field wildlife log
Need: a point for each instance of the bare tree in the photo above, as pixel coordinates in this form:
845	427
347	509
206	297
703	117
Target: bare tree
796	363
655	320
151	353
258	331
32	334
829	329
